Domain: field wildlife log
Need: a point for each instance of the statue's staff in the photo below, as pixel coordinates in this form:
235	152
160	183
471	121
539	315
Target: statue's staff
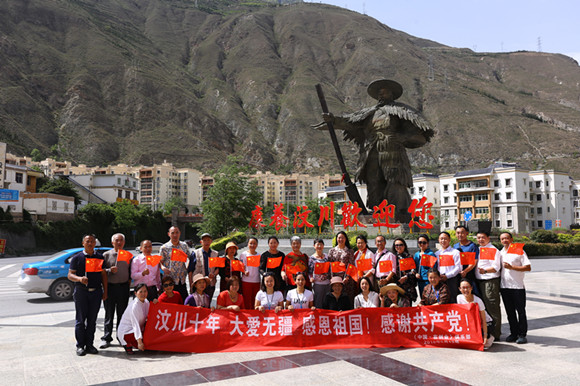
351	189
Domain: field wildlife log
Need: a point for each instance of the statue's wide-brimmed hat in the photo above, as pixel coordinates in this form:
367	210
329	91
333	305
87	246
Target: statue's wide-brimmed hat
379	84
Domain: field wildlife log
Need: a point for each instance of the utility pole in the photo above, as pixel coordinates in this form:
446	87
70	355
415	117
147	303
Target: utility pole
539	44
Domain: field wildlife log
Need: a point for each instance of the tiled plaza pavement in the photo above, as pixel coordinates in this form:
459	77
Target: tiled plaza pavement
39	350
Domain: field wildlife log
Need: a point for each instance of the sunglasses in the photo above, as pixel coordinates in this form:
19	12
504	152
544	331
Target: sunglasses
399	245
168	285
422	242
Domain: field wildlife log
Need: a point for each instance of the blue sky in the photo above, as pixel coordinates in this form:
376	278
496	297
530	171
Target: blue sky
483	26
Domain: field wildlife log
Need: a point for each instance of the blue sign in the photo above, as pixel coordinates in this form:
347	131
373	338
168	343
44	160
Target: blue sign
8	195
548	225
467	215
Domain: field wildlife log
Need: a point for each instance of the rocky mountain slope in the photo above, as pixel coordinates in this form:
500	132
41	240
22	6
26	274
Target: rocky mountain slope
140	81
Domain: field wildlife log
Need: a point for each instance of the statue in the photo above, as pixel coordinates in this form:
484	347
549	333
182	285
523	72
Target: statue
382	133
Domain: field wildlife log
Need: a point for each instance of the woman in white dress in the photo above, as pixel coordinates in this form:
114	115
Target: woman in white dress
130	330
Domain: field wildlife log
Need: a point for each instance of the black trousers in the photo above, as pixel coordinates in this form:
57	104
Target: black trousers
182	289
87	305
117	300
514	301
453	285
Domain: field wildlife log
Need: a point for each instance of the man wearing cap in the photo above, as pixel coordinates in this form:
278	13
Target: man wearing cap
382	133
177	270
202	256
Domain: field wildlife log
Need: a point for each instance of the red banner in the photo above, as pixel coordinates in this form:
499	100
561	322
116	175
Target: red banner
180	328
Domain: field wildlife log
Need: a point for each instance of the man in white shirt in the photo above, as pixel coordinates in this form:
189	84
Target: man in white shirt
488	274
513	292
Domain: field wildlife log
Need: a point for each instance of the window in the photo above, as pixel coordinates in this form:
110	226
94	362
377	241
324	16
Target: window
118	181
496	196
508	209
531	210
548	209
128	195
473	184
119	193
54	205
464	198
497	210
447	212
446	224
412	190
539	210
481	197
481	210
455	200
540	224
509	223
497	223
66	206
538	184
446	200
134	196
524	181
420	189
496	183
525	195
446	188
18	178
547	183
538	197
547	196
575	193
508	182
508	196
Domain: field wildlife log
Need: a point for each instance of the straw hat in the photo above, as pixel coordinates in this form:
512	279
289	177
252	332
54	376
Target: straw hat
199	277
231	244
391	286
376	85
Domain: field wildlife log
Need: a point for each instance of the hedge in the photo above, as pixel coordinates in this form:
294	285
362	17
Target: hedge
545	249
236	237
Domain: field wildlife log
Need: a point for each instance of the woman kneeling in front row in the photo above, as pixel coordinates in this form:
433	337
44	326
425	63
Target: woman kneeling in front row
130	330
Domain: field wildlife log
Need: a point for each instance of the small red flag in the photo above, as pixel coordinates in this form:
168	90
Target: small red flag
94	265
292	269
274	262
428	260
153	260
337	267
407	264
487	253
446	261
385	266
321	268
516	248
123	255
237	266
217	262
352	271
178	255
364	264
467	258
253	261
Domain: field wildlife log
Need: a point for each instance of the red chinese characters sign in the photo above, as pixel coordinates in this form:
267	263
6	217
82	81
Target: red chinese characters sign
187	329
383	216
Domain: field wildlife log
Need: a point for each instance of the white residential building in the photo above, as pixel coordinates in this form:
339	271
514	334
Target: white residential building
109	188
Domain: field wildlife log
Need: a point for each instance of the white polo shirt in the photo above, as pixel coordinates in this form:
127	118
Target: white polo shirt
510	278
485	264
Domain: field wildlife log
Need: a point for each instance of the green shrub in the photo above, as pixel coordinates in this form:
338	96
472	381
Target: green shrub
544	236
547	249
236	237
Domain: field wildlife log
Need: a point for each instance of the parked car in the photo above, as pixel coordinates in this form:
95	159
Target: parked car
156	247
50	276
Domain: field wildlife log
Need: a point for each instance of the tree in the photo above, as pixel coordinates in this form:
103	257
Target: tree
173	202
230	201
61	186
36	155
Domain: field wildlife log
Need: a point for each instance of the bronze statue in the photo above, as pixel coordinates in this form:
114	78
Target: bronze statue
382	133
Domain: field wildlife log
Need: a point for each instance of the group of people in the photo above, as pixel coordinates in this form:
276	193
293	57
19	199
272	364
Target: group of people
274	281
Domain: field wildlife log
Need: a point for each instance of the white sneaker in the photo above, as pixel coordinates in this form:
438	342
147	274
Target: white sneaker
489	342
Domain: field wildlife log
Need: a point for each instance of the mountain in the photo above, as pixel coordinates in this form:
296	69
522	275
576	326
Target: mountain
140	81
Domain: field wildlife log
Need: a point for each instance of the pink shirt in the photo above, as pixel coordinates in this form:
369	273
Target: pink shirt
138	265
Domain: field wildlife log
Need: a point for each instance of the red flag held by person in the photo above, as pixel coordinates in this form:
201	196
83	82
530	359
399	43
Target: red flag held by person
428	260
254	261
337	267
385	265
94	265
217	262
274	262
321	268
516	248
467	258
487	253
237	266
446	261
292	269
123	255
364	264
178	255
352	271
407	264
153	260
